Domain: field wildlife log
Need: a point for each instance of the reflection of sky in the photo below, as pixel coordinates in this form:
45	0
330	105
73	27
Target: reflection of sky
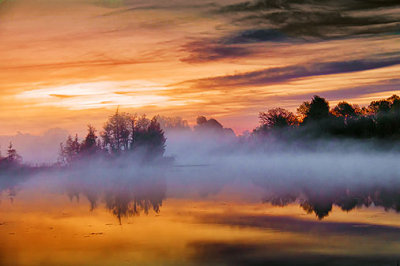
211	213
335	176
228	57
49	228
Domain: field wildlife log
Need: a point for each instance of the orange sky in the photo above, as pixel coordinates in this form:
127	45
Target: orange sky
69	63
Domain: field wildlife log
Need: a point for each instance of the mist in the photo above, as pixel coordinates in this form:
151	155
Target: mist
36	149
207	166
136	163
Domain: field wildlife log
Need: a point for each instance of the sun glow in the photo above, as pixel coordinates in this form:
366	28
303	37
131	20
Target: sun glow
100	94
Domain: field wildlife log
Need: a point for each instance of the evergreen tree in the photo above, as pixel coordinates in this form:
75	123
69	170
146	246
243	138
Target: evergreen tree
89	145
12	155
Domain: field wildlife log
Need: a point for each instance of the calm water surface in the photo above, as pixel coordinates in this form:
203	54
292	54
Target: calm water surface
150	223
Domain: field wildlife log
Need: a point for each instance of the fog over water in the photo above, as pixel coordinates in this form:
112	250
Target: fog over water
224	200
314	174
36	149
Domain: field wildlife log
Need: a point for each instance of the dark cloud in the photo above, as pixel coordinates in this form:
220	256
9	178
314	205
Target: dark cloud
251	6
283	74
257	35
134	6
346	93
318	19
298	21
369	4
205	51
344	5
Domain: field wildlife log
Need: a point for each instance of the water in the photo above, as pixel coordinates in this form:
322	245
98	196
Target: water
162	221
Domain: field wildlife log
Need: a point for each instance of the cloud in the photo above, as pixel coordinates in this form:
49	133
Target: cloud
288	73
296	21
321	20
328	5
346	93
63	96
80	64
293	22
205	51
257	35
134	6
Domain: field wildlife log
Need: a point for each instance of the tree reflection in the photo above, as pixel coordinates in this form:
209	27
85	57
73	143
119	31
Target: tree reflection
123	196
10	179
140	198
322	202
321	209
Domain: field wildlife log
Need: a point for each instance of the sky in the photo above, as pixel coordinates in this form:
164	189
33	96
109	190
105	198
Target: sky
67	63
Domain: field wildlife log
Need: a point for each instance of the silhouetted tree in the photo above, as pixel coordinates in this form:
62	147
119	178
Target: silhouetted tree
360	127
70	150
380	119
344	109
212	126
277	118
303	110
381	106
140	128
123	133
117	133
201	120
151	138
132	130
386	116
318	109
12	156
204	124
90	145
395	103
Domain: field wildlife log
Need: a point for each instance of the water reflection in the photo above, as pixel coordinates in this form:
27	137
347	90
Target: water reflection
195	233
204	231
130	191
244	253
125	196
321	202
10	179
131	194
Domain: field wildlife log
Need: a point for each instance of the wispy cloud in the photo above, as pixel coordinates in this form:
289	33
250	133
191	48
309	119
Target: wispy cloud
225	58
284	74
206	51
292	22
318	19
131	6
98	94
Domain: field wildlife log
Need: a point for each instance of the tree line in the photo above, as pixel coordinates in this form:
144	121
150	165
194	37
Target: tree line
122	134
315	118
